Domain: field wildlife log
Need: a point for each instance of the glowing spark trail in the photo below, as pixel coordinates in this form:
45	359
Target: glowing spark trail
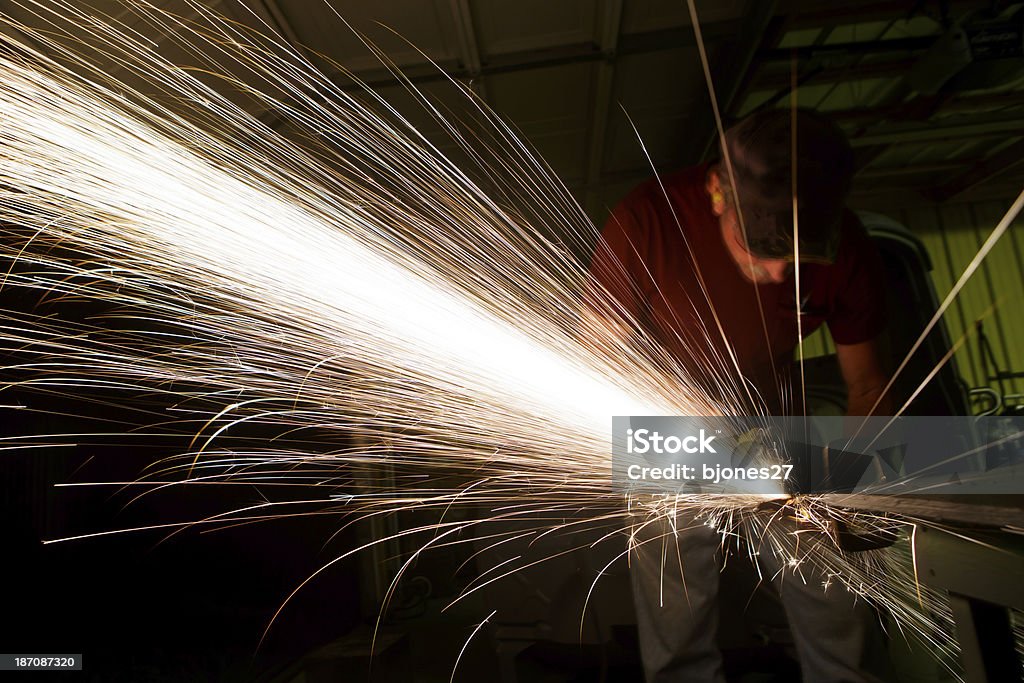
380	295
360	285
164	214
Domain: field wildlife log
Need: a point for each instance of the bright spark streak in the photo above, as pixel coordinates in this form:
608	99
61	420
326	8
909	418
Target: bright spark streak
399	318
236	233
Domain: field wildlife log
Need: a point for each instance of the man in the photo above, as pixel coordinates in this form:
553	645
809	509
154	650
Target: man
704	260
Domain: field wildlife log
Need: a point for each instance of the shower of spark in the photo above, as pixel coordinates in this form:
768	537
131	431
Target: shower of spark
304	283
366	286
359	283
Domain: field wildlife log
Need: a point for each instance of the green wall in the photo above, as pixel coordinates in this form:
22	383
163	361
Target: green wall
953	233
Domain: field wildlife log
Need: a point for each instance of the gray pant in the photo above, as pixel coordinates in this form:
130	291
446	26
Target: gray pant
837	636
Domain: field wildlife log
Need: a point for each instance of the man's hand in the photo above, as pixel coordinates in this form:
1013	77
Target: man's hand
865	378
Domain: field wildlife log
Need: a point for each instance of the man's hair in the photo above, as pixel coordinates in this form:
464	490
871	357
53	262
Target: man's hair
760	151
761	145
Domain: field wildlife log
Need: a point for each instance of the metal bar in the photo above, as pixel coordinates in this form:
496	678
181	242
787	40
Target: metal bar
949	509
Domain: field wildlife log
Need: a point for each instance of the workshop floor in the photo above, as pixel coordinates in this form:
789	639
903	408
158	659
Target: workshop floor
424	649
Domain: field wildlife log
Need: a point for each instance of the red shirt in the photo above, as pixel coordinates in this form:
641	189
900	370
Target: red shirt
650	255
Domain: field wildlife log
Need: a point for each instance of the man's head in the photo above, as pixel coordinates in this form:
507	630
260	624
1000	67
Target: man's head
755	206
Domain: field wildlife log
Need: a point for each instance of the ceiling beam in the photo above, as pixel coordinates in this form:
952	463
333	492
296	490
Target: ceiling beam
468	46
776	28
1000	162
879	172
644	42
839	74
580	53
911	44
753	34
906	111
601	101
813	13
963	127
864	156
887	195
973	102
909	116
736	58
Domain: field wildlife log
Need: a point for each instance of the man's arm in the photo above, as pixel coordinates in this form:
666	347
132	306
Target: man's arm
865	378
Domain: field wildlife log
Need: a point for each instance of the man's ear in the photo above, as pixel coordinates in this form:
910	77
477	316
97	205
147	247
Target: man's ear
714	190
